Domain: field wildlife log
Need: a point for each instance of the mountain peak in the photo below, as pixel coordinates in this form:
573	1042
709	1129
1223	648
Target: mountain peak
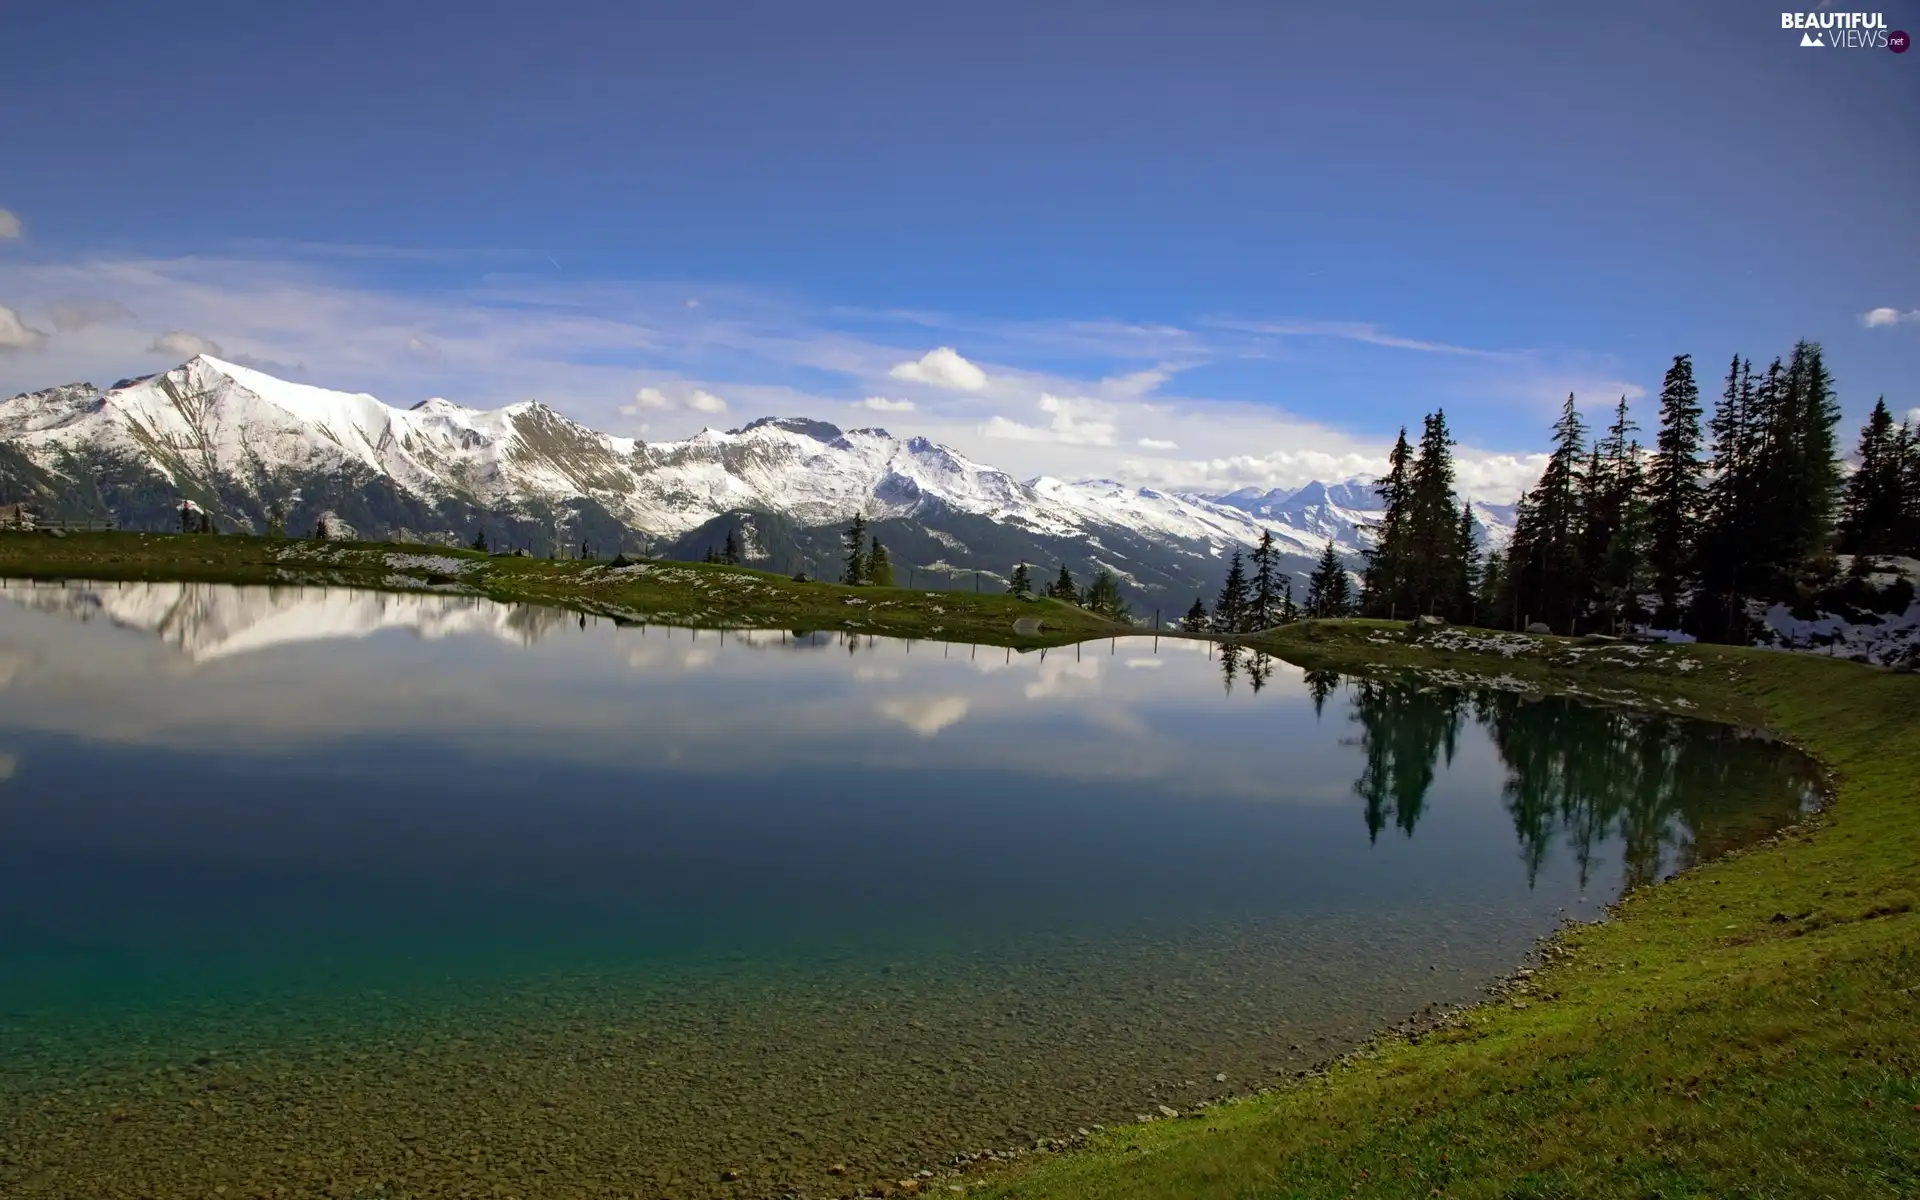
819	431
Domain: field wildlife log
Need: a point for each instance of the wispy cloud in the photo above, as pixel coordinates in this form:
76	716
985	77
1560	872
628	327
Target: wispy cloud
179	344
71	316
9	224
1351	331
1068	398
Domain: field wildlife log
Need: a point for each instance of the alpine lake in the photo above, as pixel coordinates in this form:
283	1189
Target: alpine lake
318	892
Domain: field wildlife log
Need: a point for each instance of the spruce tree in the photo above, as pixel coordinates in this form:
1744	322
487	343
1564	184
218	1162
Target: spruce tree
1907	451
1230	612
1673	487
1873	518
480	540
1544	560
855	573
1196	619
1063	587
1431	558
730	553
1103	596
1022	580
1465	584
879	568
1264	609
1382	582
1327	586
1289	612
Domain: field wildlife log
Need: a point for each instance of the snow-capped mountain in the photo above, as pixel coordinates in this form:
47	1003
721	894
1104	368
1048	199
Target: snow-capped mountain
255	451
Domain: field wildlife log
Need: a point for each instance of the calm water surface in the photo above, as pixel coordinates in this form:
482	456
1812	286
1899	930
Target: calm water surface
317	889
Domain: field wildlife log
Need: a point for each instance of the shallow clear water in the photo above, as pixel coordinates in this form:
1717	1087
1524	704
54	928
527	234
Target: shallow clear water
311	884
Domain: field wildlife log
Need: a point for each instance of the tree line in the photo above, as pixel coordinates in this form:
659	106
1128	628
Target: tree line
1748	504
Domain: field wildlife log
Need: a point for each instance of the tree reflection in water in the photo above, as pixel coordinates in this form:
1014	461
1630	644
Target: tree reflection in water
1669	789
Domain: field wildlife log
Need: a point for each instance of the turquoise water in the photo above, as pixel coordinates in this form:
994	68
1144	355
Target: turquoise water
910	898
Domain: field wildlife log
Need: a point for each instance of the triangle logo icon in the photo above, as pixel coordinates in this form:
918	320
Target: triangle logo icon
1811	39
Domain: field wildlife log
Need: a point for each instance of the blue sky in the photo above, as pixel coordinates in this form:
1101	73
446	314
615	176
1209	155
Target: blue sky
1188	244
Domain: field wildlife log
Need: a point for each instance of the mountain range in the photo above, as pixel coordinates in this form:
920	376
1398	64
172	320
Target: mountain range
256	452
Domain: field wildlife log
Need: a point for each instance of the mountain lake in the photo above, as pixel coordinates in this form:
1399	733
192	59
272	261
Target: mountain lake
310	891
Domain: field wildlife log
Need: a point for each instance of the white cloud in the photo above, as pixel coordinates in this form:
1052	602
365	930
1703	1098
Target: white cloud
706	402
16	334
179	344
421	347
942	367
882	404
1147	443
71	316
1879	318
1073	422
647	399
9	225
926	715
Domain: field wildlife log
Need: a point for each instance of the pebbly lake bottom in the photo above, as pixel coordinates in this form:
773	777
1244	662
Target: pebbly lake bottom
324	892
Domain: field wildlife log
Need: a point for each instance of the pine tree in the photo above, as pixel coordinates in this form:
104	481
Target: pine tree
1873	518
1196	620
1289	612
1465	603
1673	487
1544	560
1431	559
855	573
1231	612
1103	596
584	554
1264	610
1492	601
730	553
320	530
879	568
1728	519
480	540
1327	587
1022	581
1063	588
1382	582
1907	451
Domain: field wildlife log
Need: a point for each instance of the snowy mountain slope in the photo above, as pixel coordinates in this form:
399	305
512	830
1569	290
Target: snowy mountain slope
251	449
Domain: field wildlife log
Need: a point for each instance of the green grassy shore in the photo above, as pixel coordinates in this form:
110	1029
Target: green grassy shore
1749	1028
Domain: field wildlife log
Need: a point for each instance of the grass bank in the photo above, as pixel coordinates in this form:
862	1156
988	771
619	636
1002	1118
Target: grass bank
1750	1028
658	592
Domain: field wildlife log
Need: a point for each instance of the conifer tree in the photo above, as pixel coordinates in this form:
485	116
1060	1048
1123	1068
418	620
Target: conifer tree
1381	583
1196	620
1907	451
1289	612
1230	612
1431	561
1022	581
1063	587
1264	608
730	553
1673	487
320	531
1874	517
1544	560
480	540
1327	587
1466	576
855	573
879	568
1103	596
